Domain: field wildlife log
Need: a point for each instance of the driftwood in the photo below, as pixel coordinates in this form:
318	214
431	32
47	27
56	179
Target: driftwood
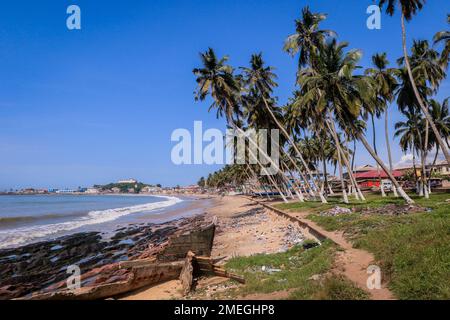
187	273
140	276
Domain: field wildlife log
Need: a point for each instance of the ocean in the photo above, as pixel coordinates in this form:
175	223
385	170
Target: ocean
27	219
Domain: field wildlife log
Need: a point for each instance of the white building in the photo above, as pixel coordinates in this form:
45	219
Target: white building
127	181
92	191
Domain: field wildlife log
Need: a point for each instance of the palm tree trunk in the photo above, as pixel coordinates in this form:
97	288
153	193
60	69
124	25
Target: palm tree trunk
388	146
332	128
341	174
400	190
283	130
424	161
417	94
383	194
269	176
416	177
299	192
235	127
299	171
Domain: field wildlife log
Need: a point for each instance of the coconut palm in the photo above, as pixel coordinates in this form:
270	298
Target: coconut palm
308	37
261	80
386	85
441	116
217	79
444	36
408	9
409	132
340	94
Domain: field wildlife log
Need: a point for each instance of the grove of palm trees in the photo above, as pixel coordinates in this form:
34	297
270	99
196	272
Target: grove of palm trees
335	104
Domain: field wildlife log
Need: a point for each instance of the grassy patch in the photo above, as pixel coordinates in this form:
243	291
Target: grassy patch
413	250
331	288
296	267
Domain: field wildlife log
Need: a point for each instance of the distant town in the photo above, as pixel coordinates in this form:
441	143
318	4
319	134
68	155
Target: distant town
126	186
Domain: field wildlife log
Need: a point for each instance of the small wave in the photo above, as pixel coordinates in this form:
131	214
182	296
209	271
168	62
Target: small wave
4	221
25	235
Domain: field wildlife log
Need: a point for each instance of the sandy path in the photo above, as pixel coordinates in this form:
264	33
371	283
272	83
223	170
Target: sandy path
350	262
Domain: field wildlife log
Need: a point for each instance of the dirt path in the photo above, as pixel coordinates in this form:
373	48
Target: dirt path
350	262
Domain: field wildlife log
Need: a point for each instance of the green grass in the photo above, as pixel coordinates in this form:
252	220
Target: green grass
330	288
297	266
413	250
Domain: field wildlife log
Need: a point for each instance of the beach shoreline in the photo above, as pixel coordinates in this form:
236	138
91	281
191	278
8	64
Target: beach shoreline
38	265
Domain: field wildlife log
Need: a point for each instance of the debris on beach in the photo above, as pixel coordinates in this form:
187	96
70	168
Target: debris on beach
395	209
270	270
336	211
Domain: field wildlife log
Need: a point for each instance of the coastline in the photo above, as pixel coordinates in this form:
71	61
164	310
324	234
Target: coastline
243	228
65	217
38	266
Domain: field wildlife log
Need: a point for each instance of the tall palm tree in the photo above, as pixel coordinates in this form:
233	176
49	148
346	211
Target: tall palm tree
444	36
428	73
340	94
408	9
308	37
409	132
386	85
217	79
441	116
261	80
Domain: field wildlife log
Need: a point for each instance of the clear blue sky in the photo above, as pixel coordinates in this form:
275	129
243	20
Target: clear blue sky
96	105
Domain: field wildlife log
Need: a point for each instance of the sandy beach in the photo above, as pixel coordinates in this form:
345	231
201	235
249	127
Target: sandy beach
243	229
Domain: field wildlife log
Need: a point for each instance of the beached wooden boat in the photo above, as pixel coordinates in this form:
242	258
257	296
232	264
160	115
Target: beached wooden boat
146	272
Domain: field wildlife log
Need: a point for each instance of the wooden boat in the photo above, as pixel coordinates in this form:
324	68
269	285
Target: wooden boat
141	273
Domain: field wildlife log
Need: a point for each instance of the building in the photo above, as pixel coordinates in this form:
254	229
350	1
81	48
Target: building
369	179
66	191
441	167
127	181
115	190
92	191
150	189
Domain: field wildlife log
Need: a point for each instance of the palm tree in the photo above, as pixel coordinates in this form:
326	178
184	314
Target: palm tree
428	73
261	80
408	9
339	94
385	88
217	79
444	36
307	37
409	132
441	116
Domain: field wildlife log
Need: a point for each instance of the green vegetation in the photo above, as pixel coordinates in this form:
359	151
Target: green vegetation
124	187
296	266
412	250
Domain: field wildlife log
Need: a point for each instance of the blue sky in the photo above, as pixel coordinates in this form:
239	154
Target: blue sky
99	104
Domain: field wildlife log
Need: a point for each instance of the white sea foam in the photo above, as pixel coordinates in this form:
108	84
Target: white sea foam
25	235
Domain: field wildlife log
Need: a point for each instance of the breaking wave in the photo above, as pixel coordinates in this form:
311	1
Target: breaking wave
25	235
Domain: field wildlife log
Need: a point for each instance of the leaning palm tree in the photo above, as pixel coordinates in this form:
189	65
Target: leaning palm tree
441	116
409	133
307	38
385	87
261	80
216	79
340	95
408	9
444	36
